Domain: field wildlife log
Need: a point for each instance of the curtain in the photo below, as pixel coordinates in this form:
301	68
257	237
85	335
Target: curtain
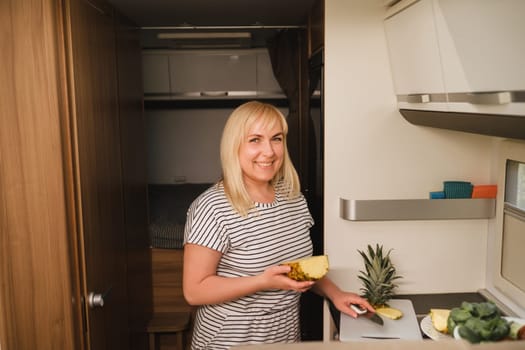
288	55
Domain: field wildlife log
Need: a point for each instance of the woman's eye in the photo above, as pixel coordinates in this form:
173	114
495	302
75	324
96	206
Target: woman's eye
254	140
278	139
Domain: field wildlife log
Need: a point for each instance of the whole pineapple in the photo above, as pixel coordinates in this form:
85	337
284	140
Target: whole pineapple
378	280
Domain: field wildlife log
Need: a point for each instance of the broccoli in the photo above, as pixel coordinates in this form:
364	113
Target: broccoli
478	322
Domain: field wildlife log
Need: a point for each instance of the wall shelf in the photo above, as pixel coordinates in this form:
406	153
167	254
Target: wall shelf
416	209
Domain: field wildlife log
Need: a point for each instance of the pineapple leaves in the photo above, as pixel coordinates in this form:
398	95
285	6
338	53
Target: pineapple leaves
379	275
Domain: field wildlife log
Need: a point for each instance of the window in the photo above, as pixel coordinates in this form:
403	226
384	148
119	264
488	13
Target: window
515	184
513	240
506	239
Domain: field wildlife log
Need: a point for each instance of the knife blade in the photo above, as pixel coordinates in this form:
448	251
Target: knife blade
372	316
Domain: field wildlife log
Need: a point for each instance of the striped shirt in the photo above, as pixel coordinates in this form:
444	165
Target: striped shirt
272	233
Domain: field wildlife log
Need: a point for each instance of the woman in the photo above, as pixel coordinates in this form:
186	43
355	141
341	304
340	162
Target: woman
240	230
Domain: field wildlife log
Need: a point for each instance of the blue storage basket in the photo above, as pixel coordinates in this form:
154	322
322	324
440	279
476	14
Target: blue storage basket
437	195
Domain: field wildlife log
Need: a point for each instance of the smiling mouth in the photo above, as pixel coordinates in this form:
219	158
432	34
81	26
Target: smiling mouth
264	164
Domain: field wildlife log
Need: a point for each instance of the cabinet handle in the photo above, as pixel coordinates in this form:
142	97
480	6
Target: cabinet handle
418	98
490	98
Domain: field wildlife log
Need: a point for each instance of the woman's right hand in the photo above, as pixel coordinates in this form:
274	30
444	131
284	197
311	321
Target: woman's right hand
275	277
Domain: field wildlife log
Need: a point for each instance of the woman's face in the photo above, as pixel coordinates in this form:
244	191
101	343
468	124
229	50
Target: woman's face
261	153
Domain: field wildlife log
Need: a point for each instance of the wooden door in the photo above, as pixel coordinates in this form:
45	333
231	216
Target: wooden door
100	205
62	231
39	291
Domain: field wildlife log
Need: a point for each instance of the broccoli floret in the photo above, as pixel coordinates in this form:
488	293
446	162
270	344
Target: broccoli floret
479	322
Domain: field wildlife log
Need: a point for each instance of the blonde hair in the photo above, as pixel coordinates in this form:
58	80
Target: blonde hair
237	127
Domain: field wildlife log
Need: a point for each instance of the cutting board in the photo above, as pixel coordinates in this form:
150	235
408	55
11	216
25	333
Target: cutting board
407	327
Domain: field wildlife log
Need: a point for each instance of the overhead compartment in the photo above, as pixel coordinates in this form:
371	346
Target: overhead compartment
208	74
460	57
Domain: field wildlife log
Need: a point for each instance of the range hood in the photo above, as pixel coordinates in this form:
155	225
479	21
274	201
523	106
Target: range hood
459	64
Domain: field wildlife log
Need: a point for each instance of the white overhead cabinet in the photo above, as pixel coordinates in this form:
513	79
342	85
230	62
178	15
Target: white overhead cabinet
208	74
213	74
414	58
459	56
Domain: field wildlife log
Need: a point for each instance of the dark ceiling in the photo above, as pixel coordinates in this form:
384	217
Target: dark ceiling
254	16
146	13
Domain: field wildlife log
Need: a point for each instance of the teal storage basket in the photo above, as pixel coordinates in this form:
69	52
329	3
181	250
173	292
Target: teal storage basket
457	189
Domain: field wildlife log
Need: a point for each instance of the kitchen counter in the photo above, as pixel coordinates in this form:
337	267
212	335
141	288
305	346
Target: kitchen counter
389	345
424	302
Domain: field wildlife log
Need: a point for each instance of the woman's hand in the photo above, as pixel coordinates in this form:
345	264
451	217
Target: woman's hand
342	301
275	278
201	285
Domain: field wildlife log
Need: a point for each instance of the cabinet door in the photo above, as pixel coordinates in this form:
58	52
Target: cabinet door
155	72
213	72
99	196
414	56
39	297
482	49
482	43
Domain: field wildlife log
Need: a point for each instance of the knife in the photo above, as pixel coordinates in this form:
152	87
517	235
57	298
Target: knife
372	316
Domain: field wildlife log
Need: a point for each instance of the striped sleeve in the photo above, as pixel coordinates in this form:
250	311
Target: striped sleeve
203	225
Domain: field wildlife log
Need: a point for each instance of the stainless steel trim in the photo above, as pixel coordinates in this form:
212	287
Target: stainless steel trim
416	209
214	93
422	98
199	94
490	98
477	98
188	27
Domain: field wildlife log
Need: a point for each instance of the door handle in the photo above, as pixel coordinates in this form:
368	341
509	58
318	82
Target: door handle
97	299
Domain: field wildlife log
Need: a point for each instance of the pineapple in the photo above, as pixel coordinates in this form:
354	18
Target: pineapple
390	312
308	269
439	319
378	281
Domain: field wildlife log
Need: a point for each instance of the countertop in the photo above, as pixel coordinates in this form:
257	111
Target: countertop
424	302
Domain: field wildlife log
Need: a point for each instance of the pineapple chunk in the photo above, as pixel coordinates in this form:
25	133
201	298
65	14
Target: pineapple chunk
389	312
439	319
308	269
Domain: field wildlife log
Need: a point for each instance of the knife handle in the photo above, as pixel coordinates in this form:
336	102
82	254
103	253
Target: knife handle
358	309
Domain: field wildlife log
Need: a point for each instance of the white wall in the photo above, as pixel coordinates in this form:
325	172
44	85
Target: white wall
373	153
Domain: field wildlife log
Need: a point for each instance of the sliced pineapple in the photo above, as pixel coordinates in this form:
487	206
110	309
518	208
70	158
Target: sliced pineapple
308	269
439	319
389	312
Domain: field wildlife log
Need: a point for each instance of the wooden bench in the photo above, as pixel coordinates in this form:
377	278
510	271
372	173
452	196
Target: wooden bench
177	323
